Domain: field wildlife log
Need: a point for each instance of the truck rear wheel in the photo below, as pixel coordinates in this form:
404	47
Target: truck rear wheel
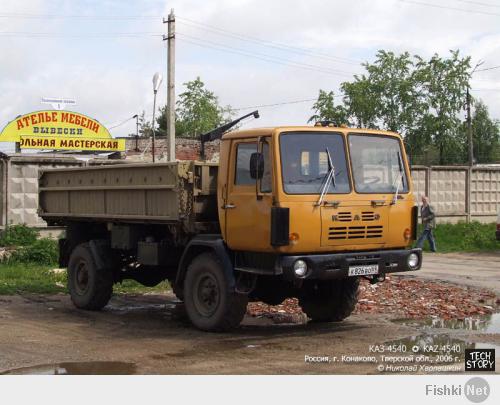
330	301
90	288
210	304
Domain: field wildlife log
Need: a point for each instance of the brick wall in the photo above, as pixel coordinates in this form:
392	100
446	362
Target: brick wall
186	149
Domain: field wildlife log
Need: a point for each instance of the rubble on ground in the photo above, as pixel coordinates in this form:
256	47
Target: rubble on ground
404	297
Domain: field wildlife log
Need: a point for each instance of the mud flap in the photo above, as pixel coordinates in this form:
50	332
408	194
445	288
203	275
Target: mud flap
197	245
102	254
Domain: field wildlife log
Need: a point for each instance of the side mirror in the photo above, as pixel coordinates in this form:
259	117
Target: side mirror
256	165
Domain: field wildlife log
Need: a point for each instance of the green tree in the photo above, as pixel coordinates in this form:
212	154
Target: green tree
392	80
198	111
326	110
161	121
360	102
145	129
485	135
444	84
387	96
420	99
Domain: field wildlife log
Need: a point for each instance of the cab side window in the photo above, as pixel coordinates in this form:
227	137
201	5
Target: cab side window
243	153
266	181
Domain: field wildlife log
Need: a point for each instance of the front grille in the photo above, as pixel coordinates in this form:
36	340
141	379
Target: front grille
344	216
355	232
369	216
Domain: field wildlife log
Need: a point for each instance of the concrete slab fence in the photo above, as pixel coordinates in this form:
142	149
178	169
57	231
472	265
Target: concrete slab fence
460	193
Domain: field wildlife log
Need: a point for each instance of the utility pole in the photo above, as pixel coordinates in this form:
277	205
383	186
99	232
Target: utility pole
170	85
468	205
469	118
136	116
469	130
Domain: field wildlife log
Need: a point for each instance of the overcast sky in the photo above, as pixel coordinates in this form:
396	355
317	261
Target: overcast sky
103	53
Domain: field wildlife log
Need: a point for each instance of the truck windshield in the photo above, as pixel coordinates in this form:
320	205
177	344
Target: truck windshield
305	166
377	164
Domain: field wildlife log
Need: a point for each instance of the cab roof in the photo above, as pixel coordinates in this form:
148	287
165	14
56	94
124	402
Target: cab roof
254	132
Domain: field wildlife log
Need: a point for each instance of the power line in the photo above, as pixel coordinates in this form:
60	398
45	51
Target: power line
474	79
76	16
24	34
263	55
260	41
275	104
281	103
490	68
478	3
121	123
421	3
266	58
204	45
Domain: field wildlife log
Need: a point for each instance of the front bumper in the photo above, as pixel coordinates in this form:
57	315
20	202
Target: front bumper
336	265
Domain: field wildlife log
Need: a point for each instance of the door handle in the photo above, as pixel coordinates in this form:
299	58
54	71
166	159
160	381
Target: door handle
228	206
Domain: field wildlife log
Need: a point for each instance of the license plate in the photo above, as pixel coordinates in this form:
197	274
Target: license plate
363	270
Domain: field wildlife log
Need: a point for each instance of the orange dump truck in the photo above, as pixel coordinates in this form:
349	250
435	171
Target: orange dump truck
288	212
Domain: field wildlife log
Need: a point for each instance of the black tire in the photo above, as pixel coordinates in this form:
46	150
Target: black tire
330	301
210	304
88	287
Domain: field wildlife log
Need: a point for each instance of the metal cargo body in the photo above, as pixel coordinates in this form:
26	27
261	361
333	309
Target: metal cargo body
155	193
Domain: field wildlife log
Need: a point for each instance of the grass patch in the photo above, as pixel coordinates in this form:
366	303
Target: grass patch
463	237
34	278
133	287
18	235
42	251
19	278
27	268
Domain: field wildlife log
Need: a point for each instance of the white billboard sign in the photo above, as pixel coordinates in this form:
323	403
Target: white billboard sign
58	103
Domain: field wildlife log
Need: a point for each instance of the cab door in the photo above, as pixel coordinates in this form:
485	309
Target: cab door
248	202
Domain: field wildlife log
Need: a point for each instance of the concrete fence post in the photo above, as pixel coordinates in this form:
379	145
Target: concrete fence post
468	183
428	181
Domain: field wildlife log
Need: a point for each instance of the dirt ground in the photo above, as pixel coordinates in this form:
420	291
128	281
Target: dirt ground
149	334
480	270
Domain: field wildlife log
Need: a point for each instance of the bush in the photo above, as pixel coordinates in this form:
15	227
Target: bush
18	235
42	251
463	237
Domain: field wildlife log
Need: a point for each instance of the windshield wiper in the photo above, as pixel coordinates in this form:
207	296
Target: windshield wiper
400	179
330	176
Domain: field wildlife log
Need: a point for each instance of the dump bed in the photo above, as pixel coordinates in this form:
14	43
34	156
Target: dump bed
174	192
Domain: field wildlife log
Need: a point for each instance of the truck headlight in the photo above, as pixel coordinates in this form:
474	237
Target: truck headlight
300	268
413	260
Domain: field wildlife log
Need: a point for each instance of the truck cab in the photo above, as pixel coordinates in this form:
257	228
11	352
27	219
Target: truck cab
361	221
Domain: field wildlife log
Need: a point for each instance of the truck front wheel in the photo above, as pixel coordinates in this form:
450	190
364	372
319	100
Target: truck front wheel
330	301
89	287
210	304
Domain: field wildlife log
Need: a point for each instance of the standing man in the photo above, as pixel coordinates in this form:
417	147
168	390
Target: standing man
429	222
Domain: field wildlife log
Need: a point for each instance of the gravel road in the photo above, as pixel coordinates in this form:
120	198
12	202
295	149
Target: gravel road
149	334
